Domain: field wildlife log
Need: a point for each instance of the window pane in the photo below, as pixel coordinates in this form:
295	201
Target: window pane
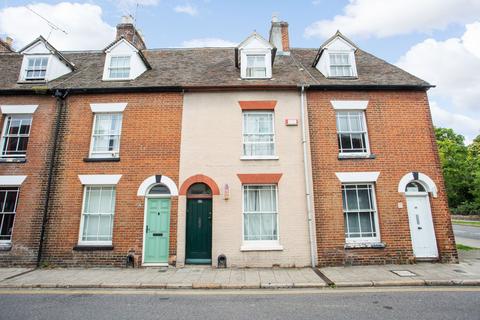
16	134
258	137
106	133
260	215
98	213
363	199
345	142
359	220
353	224
8	206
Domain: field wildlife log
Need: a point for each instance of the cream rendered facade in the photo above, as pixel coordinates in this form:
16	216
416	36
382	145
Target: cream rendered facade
211	145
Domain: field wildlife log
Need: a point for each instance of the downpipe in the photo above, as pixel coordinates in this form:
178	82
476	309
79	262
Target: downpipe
306	169
60	97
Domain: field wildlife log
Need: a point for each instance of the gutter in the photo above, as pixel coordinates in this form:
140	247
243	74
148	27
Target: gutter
306	169
369	87
60	102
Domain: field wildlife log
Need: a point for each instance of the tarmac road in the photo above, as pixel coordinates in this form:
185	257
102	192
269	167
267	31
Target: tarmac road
332	304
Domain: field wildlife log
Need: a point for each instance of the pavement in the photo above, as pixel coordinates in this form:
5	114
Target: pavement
167	278
467	235
466	273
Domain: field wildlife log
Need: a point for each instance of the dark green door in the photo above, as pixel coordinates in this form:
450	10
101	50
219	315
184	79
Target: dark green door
199	231
157	231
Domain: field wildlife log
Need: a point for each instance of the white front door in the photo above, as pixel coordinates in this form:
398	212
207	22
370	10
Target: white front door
421	225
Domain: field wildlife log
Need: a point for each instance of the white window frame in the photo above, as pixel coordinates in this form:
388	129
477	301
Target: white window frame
260	245
361	240
109	67
256	52
364	132
259	157
26	69
7	242
82	242
351	59
113	154
264	66
4	135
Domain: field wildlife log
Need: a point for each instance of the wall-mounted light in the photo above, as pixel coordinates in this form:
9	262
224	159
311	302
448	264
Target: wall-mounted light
226	192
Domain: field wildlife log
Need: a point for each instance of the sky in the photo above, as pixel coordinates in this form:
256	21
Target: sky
438	41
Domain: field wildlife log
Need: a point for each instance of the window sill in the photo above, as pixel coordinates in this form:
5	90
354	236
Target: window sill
254	158
85	247
101	159
5	246
13	160
259	247
356	156
365	245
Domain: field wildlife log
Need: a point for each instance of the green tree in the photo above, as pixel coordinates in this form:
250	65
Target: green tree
456	165
474	160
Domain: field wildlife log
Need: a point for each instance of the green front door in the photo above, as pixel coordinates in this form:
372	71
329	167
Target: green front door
157	231
199	231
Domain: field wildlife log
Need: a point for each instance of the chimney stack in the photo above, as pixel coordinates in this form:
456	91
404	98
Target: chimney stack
6	45
279	35
127	29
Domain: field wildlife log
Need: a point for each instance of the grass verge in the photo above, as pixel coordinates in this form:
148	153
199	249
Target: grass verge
465	248
466	223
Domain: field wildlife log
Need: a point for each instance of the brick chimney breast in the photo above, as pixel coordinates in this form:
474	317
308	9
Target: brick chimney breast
279	36
127	30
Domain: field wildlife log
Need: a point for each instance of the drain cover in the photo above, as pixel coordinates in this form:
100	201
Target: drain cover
404	273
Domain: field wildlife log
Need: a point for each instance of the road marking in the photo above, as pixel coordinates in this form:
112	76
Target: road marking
186	292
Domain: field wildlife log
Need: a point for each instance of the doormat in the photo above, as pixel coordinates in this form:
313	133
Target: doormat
404	273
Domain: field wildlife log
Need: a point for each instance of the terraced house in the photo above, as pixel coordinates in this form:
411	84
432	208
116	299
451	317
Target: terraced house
259	155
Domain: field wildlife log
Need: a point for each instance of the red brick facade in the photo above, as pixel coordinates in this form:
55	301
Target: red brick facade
402	139
33	191
150	145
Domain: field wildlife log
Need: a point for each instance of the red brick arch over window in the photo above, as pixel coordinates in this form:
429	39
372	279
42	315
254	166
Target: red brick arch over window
199	178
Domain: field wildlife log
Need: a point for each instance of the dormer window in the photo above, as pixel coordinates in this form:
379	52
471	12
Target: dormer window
336	58
120	67
123	61
42	62
340	65
36	68
256	67
254	57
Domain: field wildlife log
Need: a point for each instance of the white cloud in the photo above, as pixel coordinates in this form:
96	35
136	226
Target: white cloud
208	42
467	126
188	9
452	65
83	23
381	18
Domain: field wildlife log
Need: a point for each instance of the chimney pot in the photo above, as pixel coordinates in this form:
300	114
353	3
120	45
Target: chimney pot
128	19
279	35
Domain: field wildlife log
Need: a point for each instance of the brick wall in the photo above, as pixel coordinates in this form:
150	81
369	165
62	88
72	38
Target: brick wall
402	139
150	145
32	193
